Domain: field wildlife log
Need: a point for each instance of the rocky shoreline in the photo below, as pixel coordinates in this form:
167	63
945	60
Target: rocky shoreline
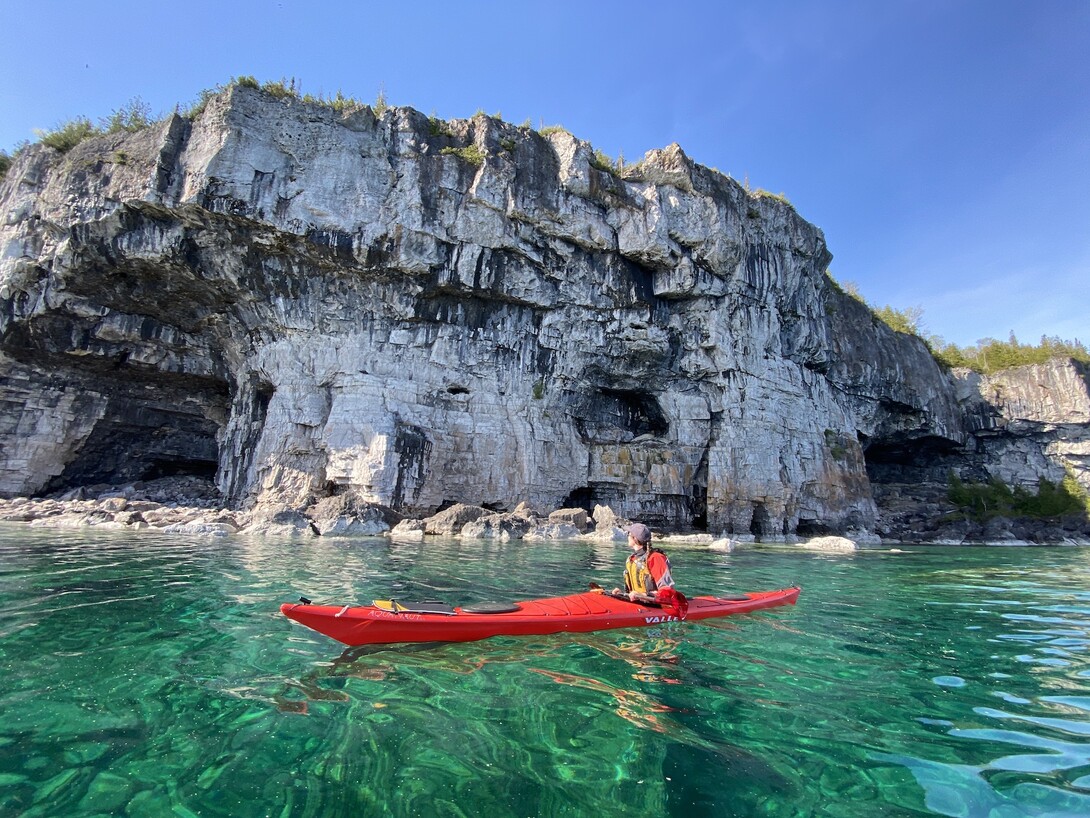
189	506
192	506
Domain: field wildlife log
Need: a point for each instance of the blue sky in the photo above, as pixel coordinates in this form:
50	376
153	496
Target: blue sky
943	147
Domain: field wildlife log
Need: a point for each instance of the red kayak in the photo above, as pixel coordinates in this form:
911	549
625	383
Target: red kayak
389	621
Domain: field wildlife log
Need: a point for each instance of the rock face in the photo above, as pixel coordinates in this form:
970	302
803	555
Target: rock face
1033	421
306	304
1024	425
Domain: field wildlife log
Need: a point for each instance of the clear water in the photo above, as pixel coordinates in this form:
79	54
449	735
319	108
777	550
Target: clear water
154	676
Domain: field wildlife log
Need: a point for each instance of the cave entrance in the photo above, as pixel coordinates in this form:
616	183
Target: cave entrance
635	411
142	440
900	459
589	496
760	525
582	497
413	448
812	528
205	469
698	507
616	415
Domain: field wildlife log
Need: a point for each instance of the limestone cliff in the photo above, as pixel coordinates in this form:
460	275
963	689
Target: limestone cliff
305	303
1031	422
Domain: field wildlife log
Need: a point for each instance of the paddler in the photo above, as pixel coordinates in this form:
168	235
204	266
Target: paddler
647	570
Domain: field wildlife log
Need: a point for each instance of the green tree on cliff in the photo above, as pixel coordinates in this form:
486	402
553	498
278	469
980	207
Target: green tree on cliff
986	356
991	355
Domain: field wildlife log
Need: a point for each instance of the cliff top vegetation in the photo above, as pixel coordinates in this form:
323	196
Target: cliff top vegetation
136	115
986	356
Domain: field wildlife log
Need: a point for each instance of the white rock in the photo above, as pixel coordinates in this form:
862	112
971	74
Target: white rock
555	531
352	527
409	529
201	528
829	544
686	539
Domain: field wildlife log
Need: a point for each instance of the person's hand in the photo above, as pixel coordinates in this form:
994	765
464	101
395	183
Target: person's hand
615	591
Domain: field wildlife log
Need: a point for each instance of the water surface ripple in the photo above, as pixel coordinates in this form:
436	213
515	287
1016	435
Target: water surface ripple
153	675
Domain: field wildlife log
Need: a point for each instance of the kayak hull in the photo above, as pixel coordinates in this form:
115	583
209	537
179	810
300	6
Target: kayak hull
578	613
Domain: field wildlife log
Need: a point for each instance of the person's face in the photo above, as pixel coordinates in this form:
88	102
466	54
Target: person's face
635	544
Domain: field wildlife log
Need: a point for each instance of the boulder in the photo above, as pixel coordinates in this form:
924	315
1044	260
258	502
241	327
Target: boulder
525	511
497	526
572	516
553	531
450	521
275	519
836	544
345	515
408	530
605	519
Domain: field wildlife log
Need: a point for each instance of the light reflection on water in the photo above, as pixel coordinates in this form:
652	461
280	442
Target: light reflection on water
154	675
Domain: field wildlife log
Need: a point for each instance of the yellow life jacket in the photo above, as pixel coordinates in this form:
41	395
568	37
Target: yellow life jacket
636	576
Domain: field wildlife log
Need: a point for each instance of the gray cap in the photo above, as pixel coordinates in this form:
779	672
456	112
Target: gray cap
641	532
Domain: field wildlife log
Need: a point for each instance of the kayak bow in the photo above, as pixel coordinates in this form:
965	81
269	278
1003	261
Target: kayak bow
578	613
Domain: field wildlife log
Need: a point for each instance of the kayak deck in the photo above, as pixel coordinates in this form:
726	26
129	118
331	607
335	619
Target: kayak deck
577	613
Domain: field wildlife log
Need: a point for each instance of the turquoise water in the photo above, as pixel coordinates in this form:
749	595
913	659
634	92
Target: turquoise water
152	676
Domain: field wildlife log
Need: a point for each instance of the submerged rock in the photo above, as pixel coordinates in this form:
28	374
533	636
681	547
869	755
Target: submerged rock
452	520
576	517
497	526
829	544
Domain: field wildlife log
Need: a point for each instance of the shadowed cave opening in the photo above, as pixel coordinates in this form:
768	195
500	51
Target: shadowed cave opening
634	410
589	496
812	528
181	467
698	507
607	415
582	497
139	441
910	460
670	512
760	525
908	474
263	395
